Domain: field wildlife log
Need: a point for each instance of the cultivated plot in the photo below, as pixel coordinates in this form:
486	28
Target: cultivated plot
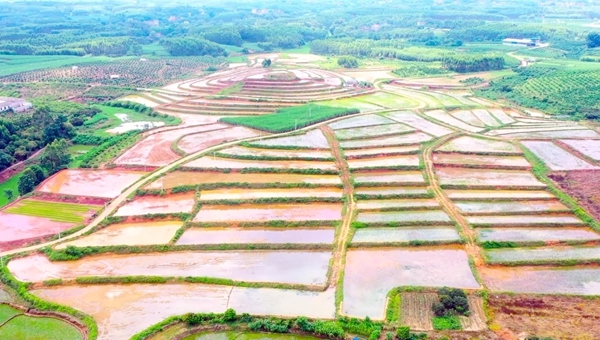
371	274
360	121
313	139
172	204
124	310
405	235
394	150
419	123
389	177
250	194
518	235
16	230
97	183
468	117
372	131
399	140
397	204
256	153
541	255
475	178
444	117
498	194
553	134
501	116
382	192
485	117
468	144
491	162
557	158
525	220
256	236
406	217
400	161
271	212
510	207
132	234
590	148
210	162
200	141
293	267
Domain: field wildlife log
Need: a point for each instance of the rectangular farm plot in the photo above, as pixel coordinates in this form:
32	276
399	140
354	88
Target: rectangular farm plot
389	178
542	255
468	117
270	212
209	162
199	141
155	150
93	183
397	204
16	230
501	116
556	157
249	194
419	123
584	133
486	118
313	139
372	131
520	235
510	207
400	161
417	312
131	234
256	236
468	144
542	280
278	153
360	121
490	162
398	140
180	178
55	211
371	274
525	221
394	150
293	267
444	117
498	194
590	148
171	204
407	217
392	191
476	178
389	235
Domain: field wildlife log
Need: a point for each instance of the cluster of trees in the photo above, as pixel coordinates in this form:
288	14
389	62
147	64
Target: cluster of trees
188	46
463	64
348	62
54	158
452	301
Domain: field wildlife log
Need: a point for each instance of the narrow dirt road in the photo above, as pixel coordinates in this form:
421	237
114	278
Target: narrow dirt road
339	253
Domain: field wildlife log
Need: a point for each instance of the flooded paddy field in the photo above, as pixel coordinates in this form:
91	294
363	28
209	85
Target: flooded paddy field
398	204
313	139
389	177
498	194
279	153
231	163
477	178
502	116
371	273
403	217
554	134
199	141
525	221
271	212
293	267
372	131
419	123
405	234
545	254
394	150
180	178
444	117
590	148
248	194
505	207
399	140
16	230
392	191
133	234
124	310
97	183
179	203
498	162
360	121
556	157
543	280
537	234
384	162
468	144
467	117
312	235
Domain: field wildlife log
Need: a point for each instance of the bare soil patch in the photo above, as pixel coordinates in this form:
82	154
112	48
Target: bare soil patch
582	185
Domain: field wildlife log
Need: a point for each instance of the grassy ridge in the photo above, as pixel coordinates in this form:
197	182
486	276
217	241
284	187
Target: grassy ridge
290	118
60	212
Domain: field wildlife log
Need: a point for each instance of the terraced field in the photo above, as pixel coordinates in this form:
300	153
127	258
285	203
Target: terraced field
415	188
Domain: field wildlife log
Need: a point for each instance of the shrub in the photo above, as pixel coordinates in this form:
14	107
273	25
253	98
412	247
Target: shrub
403	333
452	301
448	322
230	315
270	325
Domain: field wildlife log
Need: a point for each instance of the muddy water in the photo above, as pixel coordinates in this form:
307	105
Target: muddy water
476	177
95	183
476	194
408	139
405	234
471	144
510	206
381	151
388	191
138	234
408	216
371	274
372	131
543	280
291	154
378	162
419	123
294	267
20	227
181	203
270	212
255	236
200	141
124	310
179	178
543	254
590	148
537	234
230	163
491	161
389	177
313	139
366	120
531	220
396	204
241	194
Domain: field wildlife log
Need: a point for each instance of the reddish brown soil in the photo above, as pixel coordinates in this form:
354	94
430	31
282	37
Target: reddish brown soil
47	196
560	317
583	185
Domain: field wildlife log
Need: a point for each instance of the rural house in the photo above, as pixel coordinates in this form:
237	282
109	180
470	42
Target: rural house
521	42
15	104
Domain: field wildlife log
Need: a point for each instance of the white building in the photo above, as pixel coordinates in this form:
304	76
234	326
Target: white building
521	42
15	104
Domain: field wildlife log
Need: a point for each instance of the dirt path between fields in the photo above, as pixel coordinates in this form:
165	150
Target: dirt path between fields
449	207
339	253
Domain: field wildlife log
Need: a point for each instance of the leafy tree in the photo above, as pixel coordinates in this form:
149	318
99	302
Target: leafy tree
26	182
593	39
451	302
348	62
5	160
56	156
60	128
40	176
9	194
